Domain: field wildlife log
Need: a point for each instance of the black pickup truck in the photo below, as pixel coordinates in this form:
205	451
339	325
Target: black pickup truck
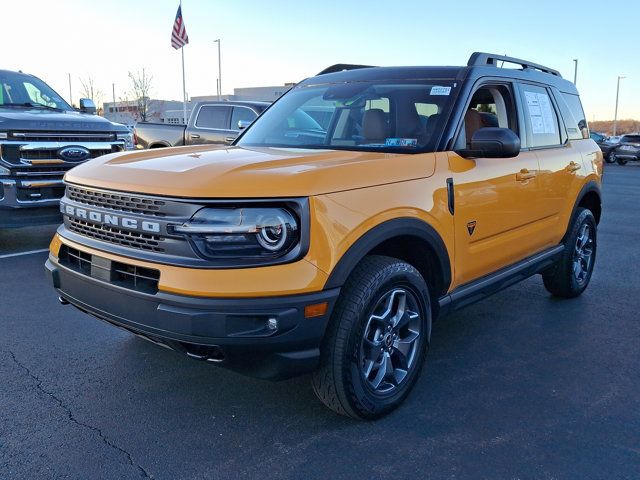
41	137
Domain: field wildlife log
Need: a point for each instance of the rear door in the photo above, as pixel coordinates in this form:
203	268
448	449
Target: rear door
560	150
211	125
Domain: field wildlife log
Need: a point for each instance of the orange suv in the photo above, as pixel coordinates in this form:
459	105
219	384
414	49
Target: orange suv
355	210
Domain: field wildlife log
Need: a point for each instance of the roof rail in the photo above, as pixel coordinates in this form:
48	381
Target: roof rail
479	59
340	67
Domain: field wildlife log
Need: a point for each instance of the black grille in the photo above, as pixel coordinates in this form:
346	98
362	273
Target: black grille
117	201
118	236
123	275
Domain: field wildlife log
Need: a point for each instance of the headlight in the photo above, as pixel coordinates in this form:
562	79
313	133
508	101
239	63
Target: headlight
128	140
249	233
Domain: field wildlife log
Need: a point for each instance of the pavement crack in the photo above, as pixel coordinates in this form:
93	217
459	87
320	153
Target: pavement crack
72	418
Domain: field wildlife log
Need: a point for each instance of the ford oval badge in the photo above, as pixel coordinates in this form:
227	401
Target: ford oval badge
74	154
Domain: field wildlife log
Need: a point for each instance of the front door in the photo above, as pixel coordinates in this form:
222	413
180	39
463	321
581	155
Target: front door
497	216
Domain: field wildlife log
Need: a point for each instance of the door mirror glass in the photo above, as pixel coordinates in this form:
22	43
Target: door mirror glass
493	142
87	106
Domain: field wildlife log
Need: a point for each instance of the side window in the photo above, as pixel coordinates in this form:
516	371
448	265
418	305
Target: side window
574	117
243	114
540	117
490	106
212	116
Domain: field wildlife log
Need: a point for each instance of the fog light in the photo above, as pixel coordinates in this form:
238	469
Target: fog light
272	324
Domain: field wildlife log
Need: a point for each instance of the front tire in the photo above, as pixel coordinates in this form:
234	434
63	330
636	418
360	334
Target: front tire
572	272
376	342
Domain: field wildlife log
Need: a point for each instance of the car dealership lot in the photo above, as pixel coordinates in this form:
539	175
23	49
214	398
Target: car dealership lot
521	385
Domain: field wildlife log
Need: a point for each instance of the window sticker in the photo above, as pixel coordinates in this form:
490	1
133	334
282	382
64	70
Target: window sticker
401	142
540	113
440	90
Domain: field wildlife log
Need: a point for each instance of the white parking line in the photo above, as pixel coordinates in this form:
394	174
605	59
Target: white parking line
20	254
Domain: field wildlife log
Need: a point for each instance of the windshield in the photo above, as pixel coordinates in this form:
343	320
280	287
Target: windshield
18	89
385	115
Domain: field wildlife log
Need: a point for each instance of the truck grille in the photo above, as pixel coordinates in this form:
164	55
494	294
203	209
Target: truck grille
132	277
117	201
118	236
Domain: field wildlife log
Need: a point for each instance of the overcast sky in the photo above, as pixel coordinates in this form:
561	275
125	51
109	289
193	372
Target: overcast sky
277	41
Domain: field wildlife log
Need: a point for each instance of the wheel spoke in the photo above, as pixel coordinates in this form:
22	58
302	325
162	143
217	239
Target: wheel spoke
403	345
386	368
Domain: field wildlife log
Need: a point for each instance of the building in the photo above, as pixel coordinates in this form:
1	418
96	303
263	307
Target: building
160	111
257	94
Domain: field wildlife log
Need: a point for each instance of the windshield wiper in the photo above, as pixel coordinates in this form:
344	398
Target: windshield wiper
31	105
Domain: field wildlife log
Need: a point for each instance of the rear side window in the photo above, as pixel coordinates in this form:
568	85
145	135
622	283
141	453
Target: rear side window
630	139
574	117
540	119
213	117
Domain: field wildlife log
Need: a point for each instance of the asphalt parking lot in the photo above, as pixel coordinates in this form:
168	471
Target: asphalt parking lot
519	386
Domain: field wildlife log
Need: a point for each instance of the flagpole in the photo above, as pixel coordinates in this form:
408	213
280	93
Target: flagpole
184	89
184	83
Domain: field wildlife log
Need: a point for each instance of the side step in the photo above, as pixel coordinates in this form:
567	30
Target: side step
488	285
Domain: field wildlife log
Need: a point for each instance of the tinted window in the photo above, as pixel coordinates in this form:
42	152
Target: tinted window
213	117
540	119
241	114
630	139
597	137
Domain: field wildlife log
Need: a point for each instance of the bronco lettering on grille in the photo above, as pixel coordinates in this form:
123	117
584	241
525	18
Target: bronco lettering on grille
110	219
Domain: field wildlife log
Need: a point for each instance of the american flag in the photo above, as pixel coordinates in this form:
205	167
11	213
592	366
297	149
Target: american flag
179	37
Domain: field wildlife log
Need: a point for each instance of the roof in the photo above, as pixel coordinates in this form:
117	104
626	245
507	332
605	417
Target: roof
480	65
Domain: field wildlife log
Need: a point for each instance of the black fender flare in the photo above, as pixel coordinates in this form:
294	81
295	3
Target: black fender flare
589	187
398	227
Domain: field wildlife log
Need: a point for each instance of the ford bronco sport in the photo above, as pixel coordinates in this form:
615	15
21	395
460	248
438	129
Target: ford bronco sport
303	248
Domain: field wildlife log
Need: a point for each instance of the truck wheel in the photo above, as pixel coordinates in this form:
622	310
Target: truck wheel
377	339
572	273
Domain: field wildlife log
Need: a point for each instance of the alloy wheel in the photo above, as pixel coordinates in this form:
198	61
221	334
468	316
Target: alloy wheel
583	254
389	347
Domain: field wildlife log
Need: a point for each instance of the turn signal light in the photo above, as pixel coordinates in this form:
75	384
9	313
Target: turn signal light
315	310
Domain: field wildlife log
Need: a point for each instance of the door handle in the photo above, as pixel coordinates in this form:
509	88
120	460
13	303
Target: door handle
573	166
524	175
229	139
194	135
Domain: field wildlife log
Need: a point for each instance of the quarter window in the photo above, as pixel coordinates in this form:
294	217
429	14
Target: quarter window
213	117
575	119
540	119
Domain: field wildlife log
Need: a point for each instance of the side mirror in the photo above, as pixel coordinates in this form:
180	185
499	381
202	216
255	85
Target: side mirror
242	124
493	142
87	106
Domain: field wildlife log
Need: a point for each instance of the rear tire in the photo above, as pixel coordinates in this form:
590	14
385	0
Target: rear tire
571	274
610	158
377	339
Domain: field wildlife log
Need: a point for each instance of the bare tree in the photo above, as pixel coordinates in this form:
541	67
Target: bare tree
89	90
141	86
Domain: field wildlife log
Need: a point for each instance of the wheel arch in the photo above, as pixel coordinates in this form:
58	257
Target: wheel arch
408	239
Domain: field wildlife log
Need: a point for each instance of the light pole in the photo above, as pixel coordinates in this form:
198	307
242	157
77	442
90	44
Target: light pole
219	70
615	117
70	94
575	71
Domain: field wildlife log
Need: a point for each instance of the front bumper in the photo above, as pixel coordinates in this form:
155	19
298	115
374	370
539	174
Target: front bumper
29	202
233	333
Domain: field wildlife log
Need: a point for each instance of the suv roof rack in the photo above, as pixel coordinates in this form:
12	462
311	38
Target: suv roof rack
480	59
341	67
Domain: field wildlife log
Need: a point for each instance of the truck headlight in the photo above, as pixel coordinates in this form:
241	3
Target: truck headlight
247	233
128	140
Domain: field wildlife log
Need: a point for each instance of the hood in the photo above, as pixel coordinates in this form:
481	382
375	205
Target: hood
37	119
206	171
